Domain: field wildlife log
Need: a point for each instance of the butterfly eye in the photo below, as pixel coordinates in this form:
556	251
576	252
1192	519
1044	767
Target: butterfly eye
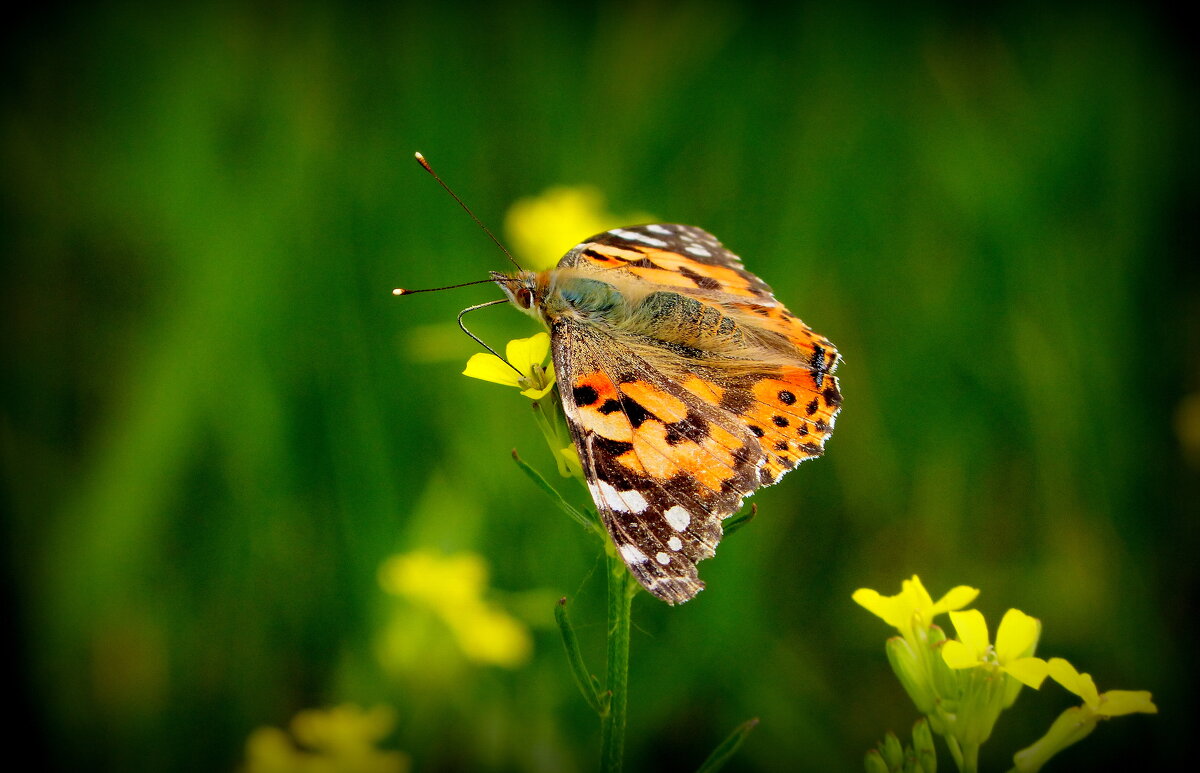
524	297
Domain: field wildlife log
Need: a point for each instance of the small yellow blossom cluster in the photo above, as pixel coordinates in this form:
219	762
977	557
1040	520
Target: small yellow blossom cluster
962	685
535	379
528	371
338	740
452	588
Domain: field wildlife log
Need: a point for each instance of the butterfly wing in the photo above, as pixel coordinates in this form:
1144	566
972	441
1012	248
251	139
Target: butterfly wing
663	465
792	401
707	390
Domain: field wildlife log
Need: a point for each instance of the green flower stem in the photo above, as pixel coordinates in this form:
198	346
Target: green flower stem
728	747
955	751
588	522
1072	726
587	683
552	428
970	758
621	589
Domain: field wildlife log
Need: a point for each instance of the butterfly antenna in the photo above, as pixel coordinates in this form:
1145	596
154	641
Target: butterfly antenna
425	164
406	291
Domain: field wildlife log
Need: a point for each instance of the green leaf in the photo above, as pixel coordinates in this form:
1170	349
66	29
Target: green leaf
728	747
738	520
578	515
586	681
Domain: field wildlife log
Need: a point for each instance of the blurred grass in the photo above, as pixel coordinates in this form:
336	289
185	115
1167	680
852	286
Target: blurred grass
217	423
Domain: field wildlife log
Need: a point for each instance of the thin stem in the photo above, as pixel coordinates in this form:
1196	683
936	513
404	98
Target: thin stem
970	763
955	751
612	726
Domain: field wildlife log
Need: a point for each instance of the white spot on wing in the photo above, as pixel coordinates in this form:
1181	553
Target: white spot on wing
663	559
678	518
619	501
675	543
658	229
698	250
634	236
632	555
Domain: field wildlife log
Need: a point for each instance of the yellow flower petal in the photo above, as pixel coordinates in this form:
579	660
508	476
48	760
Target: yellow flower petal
1082	685
1027	671
957	598
958	655
972	630
524	353
891	609
537	394
1017	636
488	367
1115	703
916	595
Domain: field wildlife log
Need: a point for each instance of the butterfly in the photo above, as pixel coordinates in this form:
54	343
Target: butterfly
686	387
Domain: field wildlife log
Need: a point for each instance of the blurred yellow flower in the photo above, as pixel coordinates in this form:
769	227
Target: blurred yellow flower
541	229
913	606
337	740
1015	643
1113	703
525	355
452	588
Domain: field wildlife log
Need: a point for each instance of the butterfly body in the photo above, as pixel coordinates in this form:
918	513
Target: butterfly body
685	384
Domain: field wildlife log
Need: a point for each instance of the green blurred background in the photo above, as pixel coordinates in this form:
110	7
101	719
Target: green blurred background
217	423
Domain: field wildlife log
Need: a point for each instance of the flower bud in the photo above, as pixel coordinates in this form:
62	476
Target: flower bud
909	667
873	762
923	748
892	751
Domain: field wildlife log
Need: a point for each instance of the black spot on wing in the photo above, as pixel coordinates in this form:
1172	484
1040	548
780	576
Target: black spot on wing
585	395
693	427
701	281
610	448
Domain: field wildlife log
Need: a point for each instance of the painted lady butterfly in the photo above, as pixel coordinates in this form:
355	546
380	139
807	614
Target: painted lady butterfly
685	384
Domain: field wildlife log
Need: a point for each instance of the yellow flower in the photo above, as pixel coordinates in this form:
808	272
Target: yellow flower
1113	703
1077	722
452	588
542	228
527	373
913	606
338	740
1015	643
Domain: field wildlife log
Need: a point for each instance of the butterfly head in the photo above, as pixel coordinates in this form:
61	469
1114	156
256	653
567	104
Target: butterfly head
525	289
